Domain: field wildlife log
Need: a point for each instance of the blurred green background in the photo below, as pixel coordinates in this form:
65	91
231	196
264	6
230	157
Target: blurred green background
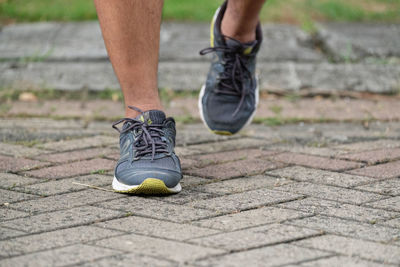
287	11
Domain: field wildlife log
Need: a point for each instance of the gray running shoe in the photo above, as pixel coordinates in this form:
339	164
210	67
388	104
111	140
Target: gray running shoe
147	164
229	98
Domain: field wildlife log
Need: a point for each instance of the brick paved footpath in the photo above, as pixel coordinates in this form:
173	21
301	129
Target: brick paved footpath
291	195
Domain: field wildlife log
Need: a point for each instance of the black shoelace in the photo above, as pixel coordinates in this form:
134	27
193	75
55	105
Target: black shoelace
148	137
231	81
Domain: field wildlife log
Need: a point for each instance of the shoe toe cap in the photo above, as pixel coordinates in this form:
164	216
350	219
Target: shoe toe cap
136	177
219	115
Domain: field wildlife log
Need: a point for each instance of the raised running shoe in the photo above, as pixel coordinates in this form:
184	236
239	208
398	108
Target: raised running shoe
229	98
147	164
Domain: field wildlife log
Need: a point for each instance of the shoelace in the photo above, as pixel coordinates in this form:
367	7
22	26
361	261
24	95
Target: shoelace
148	138
234	72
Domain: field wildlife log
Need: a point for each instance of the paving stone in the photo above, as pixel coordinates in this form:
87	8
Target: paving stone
302	174
66	185
18	36
354	247
392	203
283	42
375	156
317	108
65	201
194	134
387	187
245	200
157	228
9	164
77	155
73	169
9	214
359	40
82	143
393	223
127	259
76	41
387	170
183	152
301	149
18	150
336	133
54	239
315	162
235	169
250	218
61	256
255	237
335	209
73	41
341	261
370	145
158	209
7	196
229	145
243	184
330	78
68	108
8	233
272	255
9	180
62	219
286	42
41	135
310	109
342	195
189	181
115	156
167	249
365	231
277	76
40	123
217	158
186	196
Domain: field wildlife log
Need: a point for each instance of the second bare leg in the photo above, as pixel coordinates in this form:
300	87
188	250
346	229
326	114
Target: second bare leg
241	18
131	31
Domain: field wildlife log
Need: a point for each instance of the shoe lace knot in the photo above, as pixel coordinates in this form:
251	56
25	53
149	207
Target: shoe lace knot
149	137
232	79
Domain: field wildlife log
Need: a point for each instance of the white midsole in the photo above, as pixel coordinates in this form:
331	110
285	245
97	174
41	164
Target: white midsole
118	186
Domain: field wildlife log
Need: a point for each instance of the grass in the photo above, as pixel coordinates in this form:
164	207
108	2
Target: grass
302	12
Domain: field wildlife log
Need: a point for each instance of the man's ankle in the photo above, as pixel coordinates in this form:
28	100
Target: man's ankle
238	33
130	113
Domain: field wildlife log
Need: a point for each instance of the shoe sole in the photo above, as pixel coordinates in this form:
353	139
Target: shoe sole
150	186
203	88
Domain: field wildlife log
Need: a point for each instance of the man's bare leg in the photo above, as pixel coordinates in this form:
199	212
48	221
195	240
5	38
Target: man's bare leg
241	18
148	164
131	31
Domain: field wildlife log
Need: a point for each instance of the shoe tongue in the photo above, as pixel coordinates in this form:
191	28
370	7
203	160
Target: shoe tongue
152	116
247	48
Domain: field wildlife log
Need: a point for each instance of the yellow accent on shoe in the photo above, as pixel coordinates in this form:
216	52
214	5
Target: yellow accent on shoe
221	132
212	33
150	186
212	27
248	50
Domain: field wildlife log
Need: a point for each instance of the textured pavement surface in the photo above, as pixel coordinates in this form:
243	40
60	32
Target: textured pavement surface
323	194
323	190
337	57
